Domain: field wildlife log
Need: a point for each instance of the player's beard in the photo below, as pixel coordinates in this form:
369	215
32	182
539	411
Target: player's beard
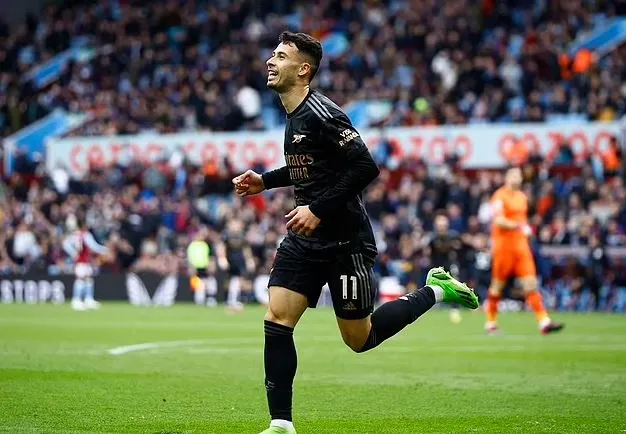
283	83
273	85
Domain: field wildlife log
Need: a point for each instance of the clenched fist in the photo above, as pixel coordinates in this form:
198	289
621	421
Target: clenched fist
248	183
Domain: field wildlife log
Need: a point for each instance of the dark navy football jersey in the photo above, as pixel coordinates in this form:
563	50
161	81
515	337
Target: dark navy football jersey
329	166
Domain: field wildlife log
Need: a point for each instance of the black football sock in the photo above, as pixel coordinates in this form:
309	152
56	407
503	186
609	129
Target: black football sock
395	315
281	362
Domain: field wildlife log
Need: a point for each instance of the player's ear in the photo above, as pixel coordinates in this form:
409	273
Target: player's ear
305	68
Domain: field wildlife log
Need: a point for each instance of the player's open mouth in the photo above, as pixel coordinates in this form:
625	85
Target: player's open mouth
272	74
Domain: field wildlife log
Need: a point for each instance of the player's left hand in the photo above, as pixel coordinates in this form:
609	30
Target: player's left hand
302	221
222	263
250	265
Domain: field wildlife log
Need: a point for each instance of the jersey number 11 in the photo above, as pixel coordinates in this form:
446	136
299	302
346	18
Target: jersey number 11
344	285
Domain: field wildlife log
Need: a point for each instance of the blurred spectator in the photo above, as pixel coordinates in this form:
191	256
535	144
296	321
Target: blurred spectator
181	66
25	248
172	66
612	159
598	264
565	155
149	218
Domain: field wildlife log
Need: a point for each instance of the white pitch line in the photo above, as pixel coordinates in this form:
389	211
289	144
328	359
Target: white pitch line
125	349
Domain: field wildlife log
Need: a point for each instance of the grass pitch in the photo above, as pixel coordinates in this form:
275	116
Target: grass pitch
200	371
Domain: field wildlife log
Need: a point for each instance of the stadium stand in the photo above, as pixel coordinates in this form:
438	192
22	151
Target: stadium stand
158	209
165	67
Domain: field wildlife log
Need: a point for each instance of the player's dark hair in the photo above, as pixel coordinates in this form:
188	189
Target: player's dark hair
310	46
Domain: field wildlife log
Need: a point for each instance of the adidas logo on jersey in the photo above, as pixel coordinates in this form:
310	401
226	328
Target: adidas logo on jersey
349	306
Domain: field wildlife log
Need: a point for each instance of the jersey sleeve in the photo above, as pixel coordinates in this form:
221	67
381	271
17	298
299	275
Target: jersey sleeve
190	248
497	204
277	178
428	240
338	133
93	245
69	244
457	240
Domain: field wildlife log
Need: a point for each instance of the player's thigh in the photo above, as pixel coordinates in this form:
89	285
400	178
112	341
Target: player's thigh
300	284
525	270
83	271
285	306
352	286
355	332
496	287
237	267
353	291
502	269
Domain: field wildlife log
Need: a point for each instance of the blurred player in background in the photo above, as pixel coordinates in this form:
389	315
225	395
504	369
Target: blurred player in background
512	255
203	281
330	238
445	247
79	245
235	255
480	265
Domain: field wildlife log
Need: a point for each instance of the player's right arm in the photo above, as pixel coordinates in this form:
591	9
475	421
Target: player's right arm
500	219
277	178
69	244
250	182
220	254
505	223
94	246
189	254
249	257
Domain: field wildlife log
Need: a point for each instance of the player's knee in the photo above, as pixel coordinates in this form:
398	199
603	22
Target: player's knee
355	339
278	316
273	316
529	284
354	342
355	333
493	292
495	289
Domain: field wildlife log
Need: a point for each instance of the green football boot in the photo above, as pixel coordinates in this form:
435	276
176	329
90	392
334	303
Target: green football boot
453	291
278	430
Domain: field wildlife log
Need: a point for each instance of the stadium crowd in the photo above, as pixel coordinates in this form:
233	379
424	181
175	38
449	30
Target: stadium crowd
149	215
170	65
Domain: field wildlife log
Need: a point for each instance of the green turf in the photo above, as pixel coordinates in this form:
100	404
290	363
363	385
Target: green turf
56	374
